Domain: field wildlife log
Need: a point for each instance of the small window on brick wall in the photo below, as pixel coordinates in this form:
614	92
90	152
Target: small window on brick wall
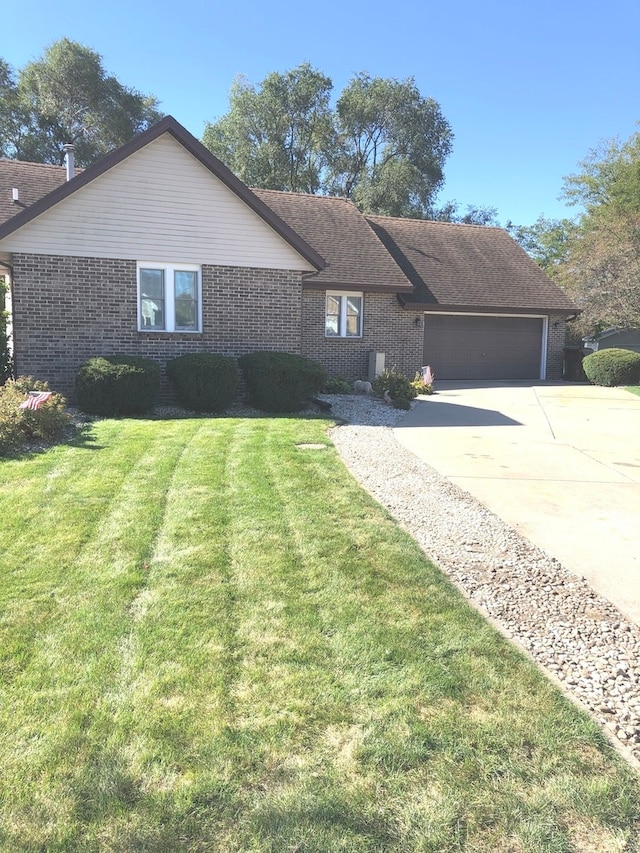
343	315
169	297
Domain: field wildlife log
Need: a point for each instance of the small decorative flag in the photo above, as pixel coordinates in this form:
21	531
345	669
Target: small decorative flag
35	399
427	375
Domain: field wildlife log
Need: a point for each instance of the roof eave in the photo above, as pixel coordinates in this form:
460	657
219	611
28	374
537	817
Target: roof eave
438	308
311	283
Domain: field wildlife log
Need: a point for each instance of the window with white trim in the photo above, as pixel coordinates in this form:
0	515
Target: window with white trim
169	297
343	315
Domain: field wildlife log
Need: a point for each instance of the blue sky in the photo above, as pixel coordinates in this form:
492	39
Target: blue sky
528	87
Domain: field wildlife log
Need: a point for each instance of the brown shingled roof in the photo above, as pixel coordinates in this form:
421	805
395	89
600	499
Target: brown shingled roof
434	266
459	267
355	257
32	180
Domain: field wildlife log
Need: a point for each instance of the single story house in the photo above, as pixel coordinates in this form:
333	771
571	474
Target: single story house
159	250
614	337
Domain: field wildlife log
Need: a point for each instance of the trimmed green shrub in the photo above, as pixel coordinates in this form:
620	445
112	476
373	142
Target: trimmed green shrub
118	385
19	426
402	403
204	382
396	384
612	366
281	381
338	385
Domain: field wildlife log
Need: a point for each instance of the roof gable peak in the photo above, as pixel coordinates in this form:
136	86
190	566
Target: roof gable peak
169	125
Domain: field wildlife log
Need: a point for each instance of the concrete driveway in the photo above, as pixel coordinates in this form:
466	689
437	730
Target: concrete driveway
559	462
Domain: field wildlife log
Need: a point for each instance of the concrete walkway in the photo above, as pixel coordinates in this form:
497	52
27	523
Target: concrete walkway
559	462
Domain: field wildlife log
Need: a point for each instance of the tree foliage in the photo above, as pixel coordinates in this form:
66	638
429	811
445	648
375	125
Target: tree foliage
547	241
602	270
276	137
392	144
383	145
67	96
596	257
12	115
473	215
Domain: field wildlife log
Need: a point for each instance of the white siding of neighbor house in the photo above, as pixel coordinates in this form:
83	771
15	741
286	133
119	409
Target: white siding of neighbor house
159	204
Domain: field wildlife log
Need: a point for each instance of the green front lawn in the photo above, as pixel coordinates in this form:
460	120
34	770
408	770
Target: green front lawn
213	640
635	389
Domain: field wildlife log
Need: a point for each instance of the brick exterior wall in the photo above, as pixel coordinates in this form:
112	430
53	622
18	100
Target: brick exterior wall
68	309
387	328
555	346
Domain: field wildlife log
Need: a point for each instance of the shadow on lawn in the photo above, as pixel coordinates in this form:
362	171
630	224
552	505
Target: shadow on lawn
77	435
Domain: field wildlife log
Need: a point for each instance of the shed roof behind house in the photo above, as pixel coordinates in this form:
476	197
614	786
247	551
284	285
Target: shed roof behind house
459	267
354	255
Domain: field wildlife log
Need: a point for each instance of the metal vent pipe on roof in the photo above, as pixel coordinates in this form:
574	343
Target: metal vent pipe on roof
70	149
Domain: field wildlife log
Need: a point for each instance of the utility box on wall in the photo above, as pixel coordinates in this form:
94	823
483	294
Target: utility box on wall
376	365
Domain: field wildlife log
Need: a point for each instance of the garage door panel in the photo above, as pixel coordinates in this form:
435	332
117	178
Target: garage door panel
483	347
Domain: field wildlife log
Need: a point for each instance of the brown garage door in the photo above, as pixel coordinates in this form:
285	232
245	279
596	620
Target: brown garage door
481	347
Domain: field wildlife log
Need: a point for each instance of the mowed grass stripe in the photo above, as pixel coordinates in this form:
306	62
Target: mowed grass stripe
271	665
435	693
58	709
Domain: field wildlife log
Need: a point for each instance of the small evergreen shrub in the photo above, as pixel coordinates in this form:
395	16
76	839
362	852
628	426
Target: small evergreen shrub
281	381
396	384
204	382
402	403
117	385
338	385
612	366
19	426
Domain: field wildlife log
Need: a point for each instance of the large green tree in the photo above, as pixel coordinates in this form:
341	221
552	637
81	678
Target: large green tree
602	270
547	241
596	256
384	145
276	136
392	146
67	96
12	116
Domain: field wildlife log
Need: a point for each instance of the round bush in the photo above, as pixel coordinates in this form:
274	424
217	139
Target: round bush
281	381
613	366
338	385
396	384
117	385
204	382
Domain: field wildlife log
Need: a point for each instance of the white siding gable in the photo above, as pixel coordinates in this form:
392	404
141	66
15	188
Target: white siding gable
160	203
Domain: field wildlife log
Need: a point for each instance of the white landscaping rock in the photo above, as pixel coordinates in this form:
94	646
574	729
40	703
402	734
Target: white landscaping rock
579	637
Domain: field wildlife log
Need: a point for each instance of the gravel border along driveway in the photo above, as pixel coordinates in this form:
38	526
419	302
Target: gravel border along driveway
569	630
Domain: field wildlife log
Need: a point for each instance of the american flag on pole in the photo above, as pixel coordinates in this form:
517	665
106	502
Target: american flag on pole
35	399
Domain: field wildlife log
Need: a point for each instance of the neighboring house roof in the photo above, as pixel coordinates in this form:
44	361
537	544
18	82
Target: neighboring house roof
339	232
456	267
166	125
620	338
610	332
